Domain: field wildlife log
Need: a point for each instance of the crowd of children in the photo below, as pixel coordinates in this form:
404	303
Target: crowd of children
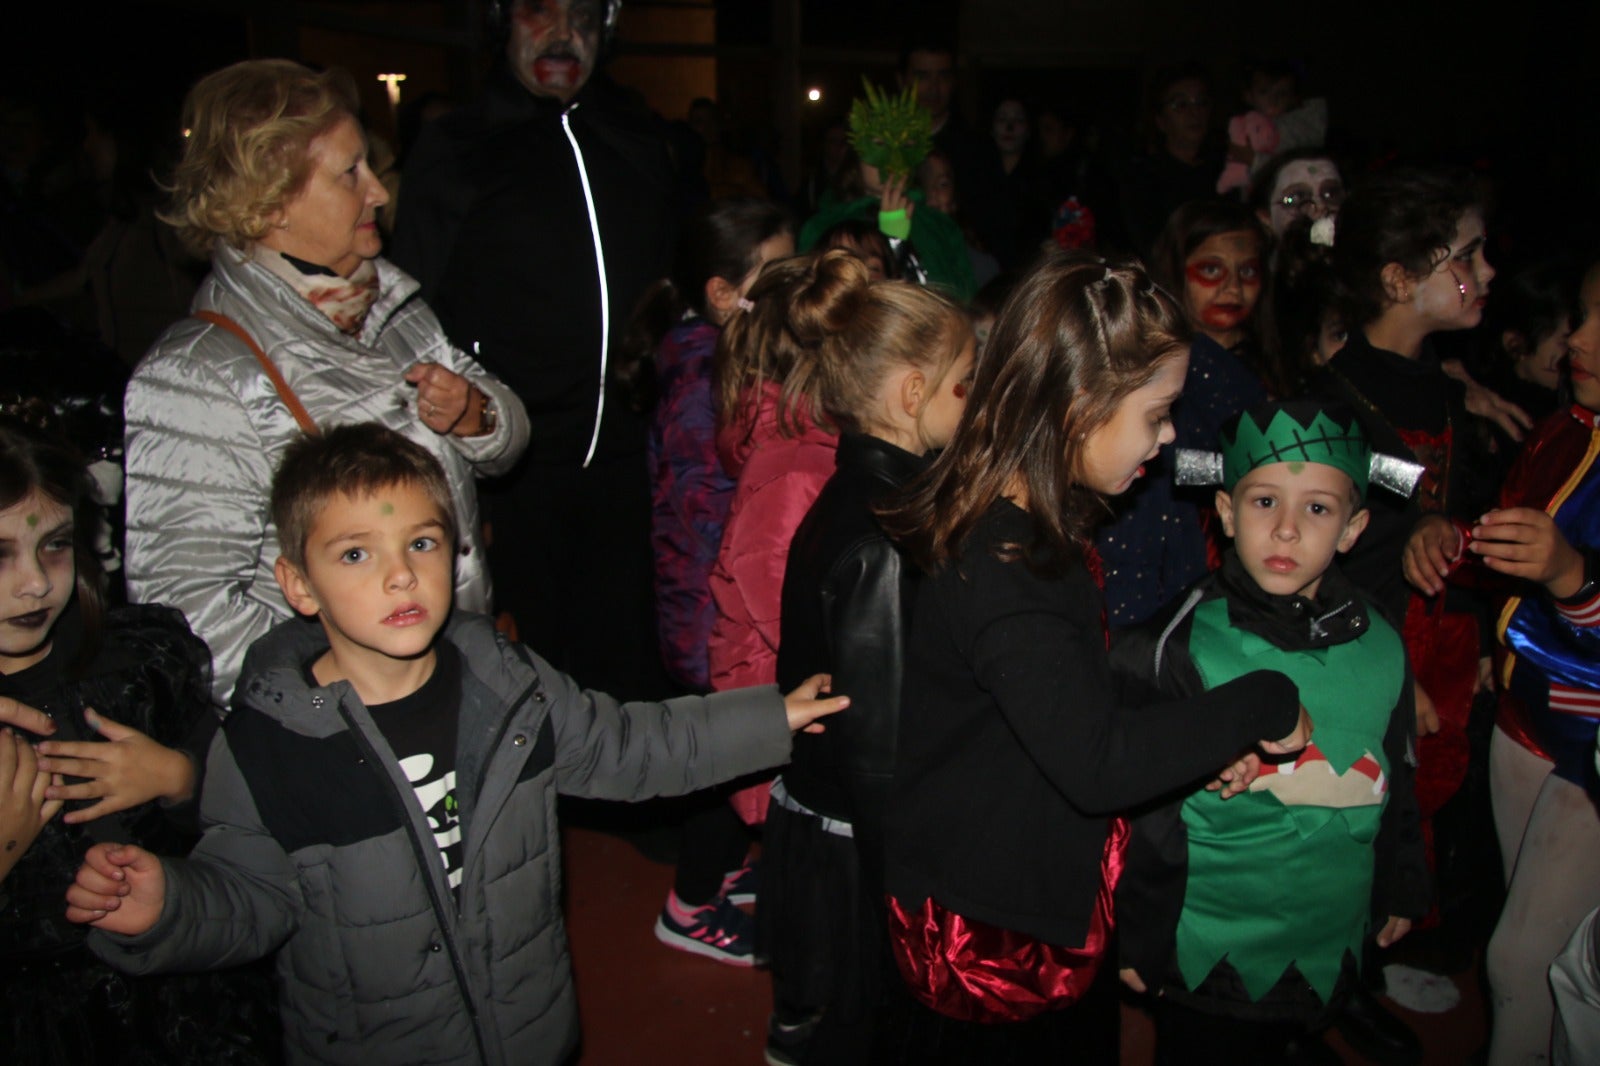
1193	618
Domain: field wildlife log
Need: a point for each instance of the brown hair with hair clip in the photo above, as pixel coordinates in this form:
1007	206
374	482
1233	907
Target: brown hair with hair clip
1077	336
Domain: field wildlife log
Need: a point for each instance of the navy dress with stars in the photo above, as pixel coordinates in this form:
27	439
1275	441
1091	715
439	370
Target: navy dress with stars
1154	545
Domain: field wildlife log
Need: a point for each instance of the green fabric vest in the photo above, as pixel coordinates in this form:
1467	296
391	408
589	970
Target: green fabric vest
1283	873
934	234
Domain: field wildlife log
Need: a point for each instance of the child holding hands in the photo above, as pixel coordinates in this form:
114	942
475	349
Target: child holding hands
119	699
1014	756
1248	959
380	804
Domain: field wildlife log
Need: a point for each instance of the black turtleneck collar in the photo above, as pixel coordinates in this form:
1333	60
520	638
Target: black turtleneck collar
1294	623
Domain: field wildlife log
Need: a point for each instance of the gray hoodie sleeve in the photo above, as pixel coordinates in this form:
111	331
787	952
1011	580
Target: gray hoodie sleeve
633	751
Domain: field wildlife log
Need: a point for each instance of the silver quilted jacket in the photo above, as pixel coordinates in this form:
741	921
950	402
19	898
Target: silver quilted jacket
205	431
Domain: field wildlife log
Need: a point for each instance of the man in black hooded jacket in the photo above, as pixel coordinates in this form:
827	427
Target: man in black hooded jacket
534	220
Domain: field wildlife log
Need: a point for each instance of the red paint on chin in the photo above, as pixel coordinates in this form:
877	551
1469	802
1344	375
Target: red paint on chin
1223	316
959	390
557	73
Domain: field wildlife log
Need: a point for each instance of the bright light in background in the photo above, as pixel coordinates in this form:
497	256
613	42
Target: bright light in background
392	83
813	95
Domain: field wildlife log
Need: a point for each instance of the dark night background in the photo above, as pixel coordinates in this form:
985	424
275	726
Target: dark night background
1509	88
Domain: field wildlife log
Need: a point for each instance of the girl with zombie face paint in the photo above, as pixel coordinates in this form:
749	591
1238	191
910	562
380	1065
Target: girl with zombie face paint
1408	260
106	718
1213	253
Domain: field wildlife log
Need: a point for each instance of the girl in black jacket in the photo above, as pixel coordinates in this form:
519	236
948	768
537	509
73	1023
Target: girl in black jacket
895	368
123	698
1014	758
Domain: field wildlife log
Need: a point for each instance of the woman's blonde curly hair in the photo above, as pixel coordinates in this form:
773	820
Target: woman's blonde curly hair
248	130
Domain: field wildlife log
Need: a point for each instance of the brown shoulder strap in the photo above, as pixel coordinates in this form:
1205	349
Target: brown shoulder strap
285	393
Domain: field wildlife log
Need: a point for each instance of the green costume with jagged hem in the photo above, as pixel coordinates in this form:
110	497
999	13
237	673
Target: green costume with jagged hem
1283	873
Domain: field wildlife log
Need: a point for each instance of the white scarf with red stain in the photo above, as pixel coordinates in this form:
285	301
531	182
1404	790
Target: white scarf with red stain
345	301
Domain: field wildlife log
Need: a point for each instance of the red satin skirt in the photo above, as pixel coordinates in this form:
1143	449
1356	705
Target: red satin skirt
976	972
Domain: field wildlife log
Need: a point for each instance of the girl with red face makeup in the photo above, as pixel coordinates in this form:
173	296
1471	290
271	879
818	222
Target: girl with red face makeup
1213	253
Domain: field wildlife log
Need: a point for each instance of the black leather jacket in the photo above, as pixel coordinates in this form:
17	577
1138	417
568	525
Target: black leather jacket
845	598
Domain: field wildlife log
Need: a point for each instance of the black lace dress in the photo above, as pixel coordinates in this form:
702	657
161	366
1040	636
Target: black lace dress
59	1004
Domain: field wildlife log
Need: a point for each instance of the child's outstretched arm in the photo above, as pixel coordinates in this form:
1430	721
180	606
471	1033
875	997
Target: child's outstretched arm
806	704
119	888
124	770
24	810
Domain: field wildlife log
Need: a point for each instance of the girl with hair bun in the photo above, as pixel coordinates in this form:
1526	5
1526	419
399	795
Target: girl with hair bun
1014	752
894	363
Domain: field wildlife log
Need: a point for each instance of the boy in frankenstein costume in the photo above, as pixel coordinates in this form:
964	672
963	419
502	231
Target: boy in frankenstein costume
1248	915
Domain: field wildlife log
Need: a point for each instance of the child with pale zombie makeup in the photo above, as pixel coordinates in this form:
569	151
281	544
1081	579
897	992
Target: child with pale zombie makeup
1304	183
1251	964
1409	261
106	716
1214	253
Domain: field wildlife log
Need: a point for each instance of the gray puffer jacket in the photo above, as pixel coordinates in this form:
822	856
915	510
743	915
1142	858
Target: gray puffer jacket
316	847
205	431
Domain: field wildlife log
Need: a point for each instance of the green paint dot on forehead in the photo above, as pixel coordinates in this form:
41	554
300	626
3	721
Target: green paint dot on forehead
33	520
1296	467
386	508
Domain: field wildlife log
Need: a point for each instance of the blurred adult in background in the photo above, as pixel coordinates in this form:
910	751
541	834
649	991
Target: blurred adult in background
135	277
1012	216
928	66
535	219
274	185
1183	157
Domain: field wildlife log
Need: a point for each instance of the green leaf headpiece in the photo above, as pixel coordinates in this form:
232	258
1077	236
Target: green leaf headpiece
890	132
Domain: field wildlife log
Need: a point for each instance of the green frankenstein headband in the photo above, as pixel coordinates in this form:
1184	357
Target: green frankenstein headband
1296	432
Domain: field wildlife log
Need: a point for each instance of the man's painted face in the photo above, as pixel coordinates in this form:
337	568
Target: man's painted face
553	44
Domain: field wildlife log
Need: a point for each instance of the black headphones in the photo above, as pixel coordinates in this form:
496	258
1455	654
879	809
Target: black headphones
499	18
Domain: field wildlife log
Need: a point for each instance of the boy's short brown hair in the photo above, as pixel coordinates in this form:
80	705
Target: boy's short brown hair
355	460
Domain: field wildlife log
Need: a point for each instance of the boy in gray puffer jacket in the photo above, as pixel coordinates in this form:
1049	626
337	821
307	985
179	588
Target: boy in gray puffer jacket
380	804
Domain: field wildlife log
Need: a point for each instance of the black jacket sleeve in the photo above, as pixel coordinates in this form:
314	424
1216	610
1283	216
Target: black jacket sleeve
1052	684
1149	898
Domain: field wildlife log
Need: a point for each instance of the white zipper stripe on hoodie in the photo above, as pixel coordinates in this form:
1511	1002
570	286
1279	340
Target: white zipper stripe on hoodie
600	268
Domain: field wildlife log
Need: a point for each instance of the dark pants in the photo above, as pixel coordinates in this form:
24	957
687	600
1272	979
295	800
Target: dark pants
571	561
1188	1037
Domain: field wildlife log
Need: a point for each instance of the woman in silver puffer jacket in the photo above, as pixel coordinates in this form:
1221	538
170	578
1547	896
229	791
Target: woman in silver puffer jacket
274	186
